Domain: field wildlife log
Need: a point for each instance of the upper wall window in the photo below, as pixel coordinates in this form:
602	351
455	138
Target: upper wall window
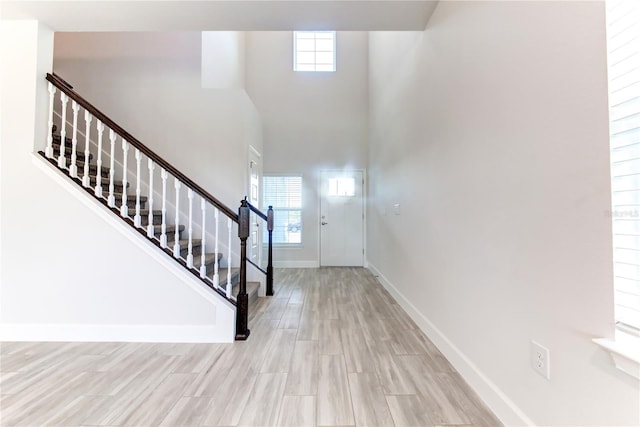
314	51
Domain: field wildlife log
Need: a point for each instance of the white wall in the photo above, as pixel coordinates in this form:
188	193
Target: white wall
490	129
223	59
66	275
311	121
151	84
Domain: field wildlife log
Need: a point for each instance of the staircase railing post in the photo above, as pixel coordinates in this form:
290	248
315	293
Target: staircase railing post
242	314
270	252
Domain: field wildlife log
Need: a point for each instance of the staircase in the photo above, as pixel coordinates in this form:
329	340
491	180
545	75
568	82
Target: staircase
191	227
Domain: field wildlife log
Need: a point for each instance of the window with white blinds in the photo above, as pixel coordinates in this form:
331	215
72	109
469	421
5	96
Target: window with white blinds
623	40
284	193
314	51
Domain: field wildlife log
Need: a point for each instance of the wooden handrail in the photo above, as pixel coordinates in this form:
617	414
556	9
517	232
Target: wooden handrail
262	270
68	90
257	211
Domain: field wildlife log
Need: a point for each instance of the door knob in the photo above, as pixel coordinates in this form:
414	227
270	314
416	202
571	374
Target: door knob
324	223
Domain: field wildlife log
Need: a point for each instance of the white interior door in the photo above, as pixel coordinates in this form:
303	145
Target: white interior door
254	252
341	218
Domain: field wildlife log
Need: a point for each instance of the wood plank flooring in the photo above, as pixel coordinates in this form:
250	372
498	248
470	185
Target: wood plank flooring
331	348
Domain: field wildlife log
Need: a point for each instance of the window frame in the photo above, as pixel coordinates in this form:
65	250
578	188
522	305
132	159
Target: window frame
624	213
276	209
297	65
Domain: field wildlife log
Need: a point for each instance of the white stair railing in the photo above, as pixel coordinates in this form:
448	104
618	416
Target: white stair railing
86	181
73	169
98	190
111	201
201	224
150	226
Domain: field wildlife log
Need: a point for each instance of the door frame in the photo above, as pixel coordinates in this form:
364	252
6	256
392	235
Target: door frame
365	262
252	274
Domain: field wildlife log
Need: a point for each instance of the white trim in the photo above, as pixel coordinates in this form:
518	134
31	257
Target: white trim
116	333
624	350
503	407
295	264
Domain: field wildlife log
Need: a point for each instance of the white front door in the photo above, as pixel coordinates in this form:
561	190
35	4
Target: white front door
341	218
254	252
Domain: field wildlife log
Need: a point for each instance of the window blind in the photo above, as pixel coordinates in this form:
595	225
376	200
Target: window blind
284	193
623	41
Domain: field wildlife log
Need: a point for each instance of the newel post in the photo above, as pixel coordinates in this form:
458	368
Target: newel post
242	314
270	252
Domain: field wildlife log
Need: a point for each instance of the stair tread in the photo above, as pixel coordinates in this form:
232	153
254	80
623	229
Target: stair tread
169	227
184	243
209	258
252	288
118	195
68	149
106	181
145	212
93	169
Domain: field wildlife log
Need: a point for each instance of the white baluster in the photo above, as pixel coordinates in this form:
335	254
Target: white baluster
62	161
73	169
137	220
150	230
229	286
203	249
49	150
98	190
124	209
216	274
163	236
86	182
176	242
111	201
190	246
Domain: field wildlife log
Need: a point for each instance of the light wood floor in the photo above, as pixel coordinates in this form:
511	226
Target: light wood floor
331	348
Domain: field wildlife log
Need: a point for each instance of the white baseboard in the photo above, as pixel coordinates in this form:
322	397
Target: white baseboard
503	407
295	264
117	333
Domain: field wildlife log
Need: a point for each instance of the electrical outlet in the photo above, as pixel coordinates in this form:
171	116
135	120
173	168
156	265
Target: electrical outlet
540	360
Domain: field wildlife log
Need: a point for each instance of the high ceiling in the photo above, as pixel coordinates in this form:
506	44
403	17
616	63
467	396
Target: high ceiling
229	15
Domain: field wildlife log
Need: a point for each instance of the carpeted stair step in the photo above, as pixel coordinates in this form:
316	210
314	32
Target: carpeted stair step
57	138
196	244
144	213
210	260
222	272
252	291
131	199
170	230
196	248
117	185
93	169
68	150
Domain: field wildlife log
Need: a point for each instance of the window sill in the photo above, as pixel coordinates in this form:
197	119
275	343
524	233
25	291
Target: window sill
624	350
286	246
